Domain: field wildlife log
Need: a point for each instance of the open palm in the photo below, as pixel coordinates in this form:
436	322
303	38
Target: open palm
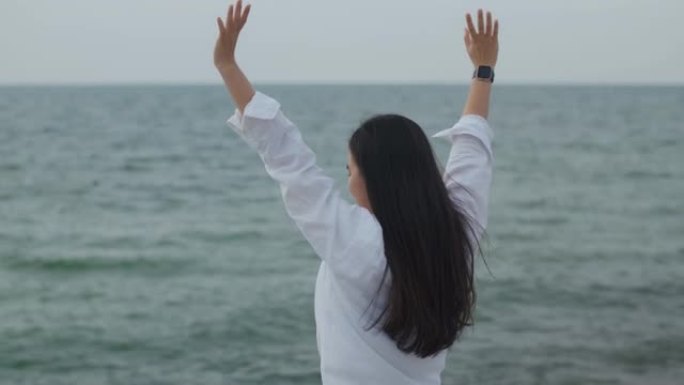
224	52
482	42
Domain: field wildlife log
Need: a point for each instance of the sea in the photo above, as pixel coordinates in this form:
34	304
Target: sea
142	242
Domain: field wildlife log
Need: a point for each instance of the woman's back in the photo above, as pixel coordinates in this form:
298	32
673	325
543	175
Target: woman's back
350	354
350	351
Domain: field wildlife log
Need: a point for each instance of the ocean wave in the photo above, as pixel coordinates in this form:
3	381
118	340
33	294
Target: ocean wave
80	264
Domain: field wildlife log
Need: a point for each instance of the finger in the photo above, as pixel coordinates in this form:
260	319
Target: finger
488	25
471	26
245	15
220	26
480	22
238	11
496	29
229	17
466	37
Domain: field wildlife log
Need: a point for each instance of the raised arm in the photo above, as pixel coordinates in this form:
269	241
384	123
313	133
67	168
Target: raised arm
482	45
235	80
468	173
344	235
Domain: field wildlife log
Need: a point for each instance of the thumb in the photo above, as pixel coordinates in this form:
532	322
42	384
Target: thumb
221	27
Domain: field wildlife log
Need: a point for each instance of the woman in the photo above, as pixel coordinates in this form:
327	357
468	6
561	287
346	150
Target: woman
395	284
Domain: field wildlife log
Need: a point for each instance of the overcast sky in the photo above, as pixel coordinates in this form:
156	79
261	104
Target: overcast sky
349	41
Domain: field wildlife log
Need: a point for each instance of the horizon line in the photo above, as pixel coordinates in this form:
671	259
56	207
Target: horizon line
333	83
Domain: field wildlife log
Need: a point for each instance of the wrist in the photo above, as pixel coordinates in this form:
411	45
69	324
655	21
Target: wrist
481	83
484	73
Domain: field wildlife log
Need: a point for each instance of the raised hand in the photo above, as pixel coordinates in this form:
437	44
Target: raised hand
482	43
224	52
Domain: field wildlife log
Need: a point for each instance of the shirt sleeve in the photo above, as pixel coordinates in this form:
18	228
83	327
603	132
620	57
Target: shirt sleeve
339	232
468	173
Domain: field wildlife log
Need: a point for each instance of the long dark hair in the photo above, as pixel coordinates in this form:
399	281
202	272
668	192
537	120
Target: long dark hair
427	237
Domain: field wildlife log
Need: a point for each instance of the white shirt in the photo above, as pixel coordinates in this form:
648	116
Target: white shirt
348	239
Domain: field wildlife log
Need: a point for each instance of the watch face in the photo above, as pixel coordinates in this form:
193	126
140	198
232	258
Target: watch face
484	72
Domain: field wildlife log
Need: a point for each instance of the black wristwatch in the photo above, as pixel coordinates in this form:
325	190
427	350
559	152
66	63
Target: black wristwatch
484	73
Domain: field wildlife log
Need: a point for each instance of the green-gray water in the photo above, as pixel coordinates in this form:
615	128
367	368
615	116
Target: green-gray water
141	242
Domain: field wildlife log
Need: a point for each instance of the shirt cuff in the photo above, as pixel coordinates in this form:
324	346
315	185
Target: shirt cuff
260	123
474	125
260	106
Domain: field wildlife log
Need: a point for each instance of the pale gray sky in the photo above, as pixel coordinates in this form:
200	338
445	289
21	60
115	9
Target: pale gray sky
359	41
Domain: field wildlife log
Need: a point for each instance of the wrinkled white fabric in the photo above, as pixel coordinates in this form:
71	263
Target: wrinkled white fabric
348	239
